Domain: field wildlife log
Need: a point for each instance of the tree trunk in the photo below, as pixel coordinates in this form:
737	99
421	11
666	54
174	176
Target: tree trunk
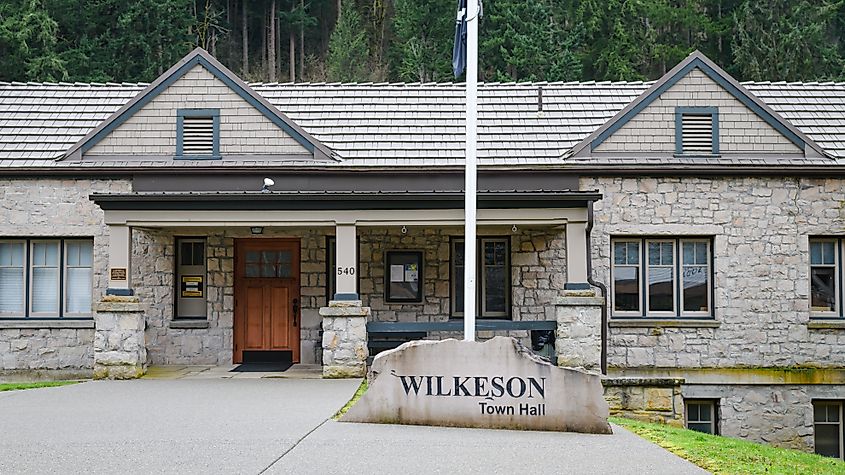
271	44
244	42
279	48
339	8
302	41
292	47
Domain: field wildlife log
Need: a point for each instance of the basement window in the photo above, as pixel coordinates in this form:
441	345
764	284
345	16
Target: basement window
197	134
702	415
697	131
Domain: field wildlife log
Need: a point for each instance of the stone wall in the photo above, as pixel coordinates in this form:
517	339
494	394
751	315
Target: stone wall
153	274
779	415
760	229
538	273
646	399
54	207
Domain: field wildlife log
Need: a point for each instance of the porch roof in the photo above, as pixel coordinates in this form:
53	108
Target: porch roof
342	200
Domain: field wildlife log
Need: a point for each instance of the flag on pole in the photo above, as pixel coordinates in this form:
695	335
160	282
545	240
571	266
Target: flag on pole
459	49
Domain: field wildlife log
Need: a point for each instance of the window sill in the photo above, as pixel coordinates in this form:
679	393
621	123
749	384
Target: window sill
188	324
663	322
41	324
826	324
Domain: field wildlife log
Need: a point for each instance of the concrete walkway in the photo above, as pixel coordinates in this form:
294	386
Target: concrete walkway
197	425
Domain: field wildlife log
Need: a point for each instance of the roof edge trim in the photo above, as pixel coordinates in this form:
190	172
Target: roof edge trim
697	60
199	57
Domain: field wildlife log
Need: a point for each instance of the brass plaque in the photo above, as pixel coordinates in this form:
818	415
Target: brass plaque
117	273
192	286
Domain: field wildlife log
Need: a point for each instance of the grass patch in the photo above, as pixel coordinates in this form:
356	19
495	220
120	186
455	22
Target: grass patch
44	384
724	455
355	397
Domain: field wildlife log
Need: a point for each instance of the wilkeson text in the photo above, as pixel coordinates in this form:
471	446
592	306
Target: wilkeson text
474	386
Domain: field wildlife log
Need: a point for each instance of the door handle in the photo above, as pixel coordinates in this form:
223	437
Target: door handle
295	311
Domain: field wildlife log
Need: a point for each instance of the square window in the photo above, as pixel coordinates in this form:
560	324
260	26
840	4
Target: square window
676	281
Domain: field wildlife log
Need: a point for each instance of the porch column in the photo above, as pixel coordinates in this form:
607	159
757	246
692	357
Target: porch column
576	257
119	348
345	318
346	270
120	254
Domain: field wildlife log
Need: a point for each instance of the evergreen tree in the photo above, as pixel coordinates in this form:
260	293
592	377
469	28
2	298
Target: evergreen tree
424	32
28	42
349	53
530	41
788	40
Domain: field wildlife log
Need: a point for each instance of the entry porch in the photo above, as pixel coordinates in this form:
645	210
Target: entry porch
393	258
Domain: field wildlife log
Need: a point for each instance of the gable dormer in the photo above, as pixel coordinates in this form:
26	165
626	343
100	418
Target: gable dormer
697	110
198	110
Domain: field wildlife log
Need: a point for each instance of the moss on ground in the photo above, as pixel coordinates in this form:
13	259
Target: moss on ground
724	455
355	397
43	384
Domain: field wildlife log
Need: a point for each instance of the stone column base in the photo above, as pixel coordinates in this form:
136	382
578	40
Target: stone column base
578	336
119	348
345	339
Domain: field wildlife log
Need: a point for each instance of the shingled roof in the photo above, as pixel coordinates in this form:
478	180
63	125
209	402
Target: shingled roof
402	124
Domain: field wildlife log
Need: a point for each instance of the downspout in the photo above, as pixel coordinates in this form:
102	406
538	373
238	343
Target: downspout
601	287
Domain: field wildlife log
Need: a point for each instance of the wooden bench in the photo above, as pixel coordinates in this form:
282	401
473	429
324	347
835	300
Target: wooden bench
383	336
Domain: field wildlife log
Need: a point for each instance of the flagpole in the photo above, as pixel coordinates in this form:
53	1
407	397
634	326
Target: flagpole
470	172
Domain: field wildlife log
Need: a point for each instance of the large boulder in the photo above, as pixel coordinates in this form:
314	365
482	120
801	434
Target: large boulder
493	384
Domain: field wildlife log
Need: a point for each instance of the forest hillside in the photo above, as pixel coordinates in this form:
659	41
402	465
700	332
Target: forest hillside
411	40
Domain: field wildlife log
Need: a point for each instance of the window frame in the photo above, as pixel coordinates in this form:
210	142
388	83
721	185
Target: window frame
677	290
177	284
25	267
61	314
838	313
714	414
479	264
647	267
680	111
180	133
59	280
841	406
64	272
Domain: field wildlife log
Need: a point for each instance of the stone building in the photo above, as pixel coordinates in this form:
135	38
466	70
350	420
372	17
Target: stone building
683	236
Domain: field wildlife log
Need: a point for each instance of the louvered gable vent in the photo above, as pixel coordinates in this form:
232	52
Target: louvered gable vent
198	135
697	133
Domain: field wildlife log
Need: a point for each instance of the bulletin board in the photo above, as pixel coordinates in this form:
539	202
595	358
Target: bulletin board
403	276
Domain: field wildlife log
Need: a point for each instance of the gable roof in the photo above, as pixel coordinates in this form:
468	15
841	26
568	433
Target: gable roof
697	60
405	125
198	57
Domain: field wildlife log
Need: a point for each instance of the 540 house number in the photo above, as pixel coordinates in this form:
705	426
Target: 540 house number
345	271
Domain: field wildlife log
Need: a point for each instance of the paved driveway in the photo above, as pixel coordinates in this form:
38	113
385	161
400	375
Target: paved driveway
248	425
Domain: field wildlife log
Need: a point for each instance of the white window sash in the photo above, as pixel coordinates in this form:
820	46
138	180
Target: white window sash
674	271
614	266
22	312
708	275
836	313
67	279
33	267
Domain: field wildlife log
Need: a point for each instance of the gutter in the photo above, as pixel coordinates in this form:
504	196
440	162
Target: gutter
601	287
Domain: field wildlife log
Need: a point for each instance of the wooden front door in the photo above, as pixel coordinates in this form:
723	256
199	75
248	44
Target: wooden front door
266	296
